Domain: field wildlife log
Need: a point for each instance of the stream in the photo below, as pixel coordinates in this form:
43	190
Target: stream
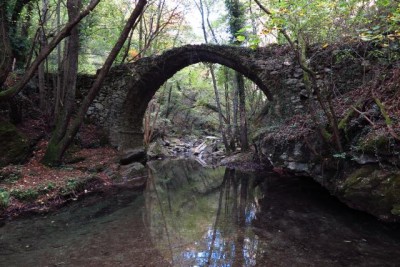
189	215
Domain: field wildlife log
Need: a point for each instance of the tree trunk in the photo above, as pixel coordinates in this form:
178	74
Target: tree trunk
235	110
167	111
57	146
6	56
57	90
70	74
244	144
140	41
236	23
218	102
41	69
228	112
217	99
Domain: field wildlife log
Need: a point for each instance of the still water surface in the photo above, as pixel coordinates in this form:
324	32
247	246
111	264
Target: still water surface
193	216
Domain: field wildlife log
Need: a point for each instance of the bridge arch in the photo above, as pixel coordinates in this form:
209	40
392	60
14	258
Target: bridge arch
150	73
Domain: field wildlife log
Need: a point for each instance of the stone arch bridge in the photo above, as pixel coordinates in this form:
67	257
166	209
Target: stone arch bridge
128	89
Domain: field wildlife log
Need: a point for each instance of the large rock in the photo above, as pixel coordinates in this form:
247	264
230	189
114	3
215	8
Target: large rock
133	170
14	147
133	155
373	189
157	150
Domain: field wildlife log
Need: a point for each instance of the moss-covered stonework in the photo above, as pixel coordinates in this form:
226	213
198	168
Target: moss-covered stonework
367	180
14	147
374	189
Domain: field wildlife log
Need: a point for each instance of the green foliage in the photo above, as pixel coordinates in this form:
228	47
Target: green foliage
99	31
73	185
244	34
383	32
25	194
10	176
236	19
326	21
344	55
47	188
4	198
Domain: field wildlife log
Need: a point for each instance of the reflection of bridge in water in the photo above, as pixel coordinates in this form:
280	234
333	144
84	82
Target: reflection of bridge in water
202	217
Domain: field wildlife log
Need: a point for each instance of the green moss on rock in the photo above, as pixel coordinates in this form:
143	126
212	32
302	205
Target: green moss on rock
374	190
14	147
378	144
4	198
396	210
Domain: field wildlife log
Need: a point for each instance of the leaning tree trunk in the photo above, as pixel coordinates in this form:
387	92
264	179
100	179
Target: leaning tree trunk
57	146
5	46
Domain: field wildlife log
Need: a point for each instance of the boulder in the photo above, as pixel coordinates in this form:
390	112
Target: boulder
157	150
373	189
132	171
133	155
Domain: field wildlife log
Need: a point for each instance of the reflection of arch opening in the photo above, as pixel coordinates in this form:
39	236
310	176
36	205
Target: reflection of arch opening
152	72
177	188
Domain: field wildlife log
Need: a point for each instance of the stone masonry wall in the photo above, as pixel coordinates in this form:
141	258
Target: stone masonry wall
106	109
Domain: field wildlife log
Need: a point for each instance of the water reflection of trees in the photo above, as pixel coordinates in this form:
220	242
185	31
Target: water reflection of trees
198	216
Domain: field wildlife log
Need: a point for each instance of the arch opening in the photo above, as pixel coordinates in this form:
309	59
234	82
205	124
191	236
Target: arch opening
151	73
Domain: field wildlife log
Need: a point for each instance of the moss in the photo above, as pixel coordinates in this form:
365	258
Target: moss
385	115
377	144
358	175
4	198
344	122
14	147
375	190
53	154
396	210
326	135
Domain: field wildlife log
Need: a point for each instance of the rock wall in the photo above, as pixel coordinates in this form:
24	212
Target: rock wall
366	176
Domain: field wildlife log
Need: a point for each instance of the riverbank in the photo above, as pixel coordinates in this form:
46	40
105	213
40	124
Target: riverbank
33	187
